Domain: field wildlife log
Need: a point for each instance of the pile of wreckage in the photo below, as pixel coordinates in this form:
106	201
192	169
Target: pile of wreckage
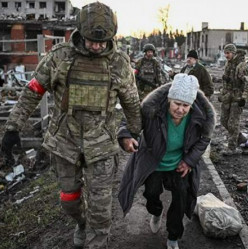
30	159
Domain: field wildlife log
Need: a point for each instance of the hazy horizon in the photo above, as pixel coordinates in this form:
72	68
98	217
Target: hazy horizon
137	16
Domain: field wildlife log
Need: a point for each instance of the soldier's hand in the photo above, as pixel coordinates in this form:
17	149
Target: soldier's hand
130	145
10	139
226	78
241	102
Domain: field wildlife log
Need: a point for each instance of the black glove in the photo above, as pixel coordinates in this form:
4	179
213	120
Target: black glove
10	139
241	102
220	98
226	78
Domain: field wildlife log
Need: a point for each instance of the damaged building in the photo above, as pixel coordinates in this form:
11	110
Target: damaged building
210	42
22	21
35	9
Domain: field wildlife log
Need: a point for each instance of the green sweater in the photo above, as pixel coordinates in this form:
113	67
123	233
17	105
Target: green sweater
174	145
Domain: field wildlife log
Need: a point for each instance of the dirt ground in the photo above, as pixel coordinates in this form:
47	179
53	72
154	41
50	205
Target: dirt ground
232	169
133	231
31	216
39	222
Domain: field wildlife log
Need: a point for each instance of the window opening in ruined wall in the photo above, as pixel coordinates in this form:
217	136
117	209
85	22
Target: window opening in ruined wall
43	5
30	5
228	38
206	47
4	4
59	7
18	6
31	45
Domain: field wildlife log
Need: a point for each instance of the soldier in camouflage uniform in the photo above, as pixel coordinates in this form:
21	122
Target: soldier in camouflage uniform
86	76
148	72
233	96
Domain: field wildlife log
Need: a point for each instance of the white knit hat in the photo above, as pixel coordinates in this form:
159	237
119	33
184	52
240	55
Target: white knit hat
184	88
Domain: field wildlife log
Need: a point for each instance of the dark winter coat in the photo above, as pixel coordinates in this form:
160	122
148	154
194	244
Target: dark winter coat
152	144
204	78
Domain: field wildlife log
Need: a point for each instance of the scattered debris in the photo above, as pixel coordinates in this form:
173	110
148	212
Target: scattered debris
242	186
19	234
31	153
18	170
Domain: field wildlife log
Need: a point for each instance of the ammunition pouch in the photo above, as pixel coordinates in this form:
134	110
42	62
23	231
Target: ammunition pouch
144	82
220	99
226	98
89	85
226	78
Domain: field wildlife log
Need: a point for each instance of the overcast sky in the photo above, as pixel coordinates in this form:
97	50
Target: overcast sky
142	15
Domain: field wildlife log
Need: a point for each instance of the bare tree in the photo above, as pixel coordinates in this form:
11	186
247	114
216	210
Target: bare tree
163	16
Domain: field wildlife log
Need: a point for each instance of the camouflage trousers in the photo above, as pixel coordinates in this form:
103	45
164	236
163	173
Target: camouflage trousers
86	195
143	90
230	119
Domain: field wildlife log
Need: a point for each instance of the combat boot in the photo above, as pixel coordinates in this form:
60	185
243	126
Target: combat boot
172	244
79	236
244	145
231	152
242	138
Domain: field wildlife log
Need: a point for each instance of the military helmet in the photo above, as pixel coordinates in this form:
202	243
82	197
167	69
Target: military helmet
148	47
97	22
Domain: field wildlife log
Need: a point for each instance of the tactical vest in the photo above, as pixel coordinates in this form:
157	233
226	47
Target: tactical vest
147	70
89	84
85	94
234	84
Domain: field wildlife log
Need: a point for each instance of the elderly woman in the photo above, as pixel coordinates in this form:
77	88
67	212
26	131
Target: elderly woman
178	122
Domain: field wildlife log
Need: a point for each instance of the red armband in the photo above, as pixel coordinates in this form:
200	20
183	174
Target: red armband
35	86
136	71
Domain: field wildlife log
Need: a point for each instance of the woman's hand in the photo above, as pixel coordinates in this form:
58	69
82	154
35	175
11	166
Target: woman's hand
130	144
183	168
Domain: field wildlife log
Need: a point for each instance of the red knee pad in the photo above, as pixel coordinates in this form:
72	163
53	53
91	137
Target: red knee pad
70	196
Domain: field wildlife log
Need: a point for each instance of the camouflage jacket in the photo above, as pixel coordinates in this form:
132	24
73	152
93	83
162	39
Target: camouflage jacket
89	133
204	78
235	78
149	71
